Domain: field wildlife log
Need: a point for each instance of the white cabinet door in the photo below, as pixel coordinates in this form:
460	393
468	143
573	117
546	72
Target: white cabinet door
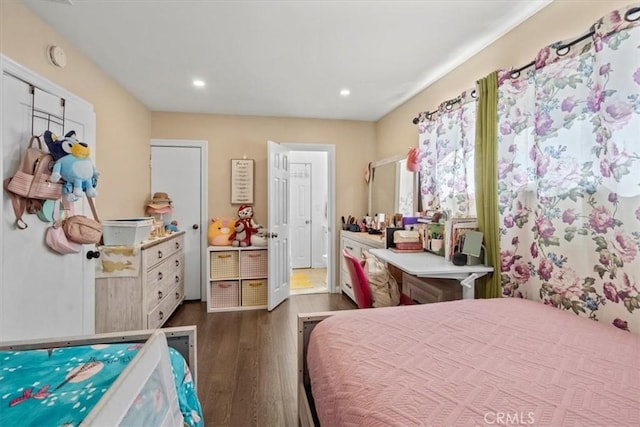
42	293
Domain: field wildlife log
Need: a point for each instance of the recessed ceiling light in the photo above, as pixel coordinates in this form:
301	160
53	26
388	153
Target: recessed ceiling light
198	83
345	92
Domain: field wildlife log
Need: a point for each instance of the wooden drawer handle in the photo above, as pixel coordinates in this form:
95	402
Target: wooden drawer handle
224	256
160	275
255	284
161	315
224	285
160	254
254	255
160	295
177	263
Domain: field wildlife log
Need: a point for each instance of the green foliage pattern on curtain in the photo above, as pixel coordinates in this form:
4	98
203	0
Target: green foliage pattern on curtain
569	176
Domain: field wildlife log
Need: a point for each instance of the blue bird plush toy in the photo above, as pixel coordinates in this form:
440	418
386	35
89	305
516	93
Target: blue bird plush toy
75	169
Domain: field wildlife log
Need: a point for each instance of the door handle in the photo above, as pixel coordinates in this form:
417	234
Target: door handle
307	222
195	226
273	235
93	254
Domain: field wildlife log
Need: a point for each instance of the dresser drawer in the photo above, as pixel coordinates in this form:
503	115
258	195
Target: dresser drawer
153	255
158	315
427	290
162	278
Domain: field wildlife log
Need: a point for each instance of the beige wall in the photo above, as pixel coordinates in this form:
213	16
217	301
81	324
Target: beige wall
122	122
125	126
561	20
233	137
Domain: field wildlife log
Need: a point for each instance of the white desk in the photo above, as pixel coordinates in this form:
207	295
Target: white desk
425	264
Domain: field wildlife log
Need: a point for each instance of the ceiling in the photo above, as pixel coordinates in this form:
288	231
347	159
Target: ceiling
280	58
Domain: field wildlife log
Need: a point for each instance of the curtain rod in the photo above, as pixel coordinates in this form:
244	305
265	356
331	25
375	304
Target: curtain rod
447	106
561	50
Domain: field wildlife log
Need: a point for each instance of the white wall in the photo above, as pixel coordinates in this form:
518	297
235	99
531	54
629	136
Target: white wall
318	161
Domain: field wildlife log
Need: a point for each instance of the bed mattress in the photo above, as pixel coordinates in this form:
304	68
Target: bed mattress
473	362
60	386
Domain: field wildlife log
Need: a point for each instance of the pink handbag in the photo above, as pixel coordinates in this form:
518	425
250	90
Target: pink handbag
56	238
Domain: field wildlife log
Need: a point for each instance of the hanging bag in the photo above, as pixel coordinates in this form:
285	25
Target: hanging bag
30	184
56	238
81	229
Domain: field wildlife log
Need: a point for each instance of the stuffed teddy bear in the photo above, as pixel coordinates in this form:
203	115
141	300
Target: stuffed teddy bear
245	226
76	169
221	231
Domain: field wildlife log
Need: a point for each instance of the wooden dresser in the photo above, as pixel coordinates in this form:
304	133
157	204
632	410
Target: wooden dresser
138	287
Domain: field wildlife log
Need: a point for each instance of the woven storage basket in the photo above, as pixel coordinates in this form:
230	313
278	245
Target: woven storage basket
254	292
253	264
225	294
224	265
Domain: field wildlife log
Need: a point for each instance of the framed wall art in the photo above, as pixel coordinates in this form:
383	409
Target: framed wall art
241	181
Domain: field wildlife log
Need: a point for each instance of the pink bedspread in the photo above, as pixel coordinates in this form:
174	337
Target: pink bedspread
472	363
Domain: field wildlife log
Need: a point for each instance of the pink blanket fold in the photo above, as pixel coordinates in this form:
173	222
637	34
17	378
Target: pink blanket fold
473	362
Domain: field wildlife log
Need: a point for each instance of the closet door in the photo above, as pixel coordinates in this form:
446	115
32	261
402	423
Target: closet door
42	293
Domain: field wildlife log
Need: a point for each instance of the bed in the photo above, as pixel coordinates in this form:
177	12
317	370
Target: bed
505	361
128	379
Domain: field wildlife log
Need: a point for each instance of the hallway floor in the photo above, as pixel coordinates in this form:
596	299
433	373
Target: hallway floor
317	276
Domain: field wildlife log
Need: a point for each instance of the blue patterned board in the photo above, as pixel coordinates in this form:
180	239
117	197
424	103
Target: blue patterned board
60	386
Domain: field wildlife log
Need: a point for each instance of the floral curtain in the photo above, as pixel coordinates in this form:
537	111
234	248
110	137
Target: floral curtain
446	142
569	175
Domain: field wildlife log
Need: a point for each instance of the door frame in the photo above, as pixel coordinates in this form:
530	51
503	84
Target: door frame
204	197
330	149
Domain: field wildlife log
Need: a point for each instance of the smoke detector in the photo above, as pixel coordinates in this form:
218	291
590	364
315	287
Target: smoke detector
57	56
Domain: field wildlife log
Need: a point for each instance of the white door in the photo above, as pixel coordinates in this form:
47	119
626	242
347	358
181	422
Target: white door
179	169
279	250
300	177
42	294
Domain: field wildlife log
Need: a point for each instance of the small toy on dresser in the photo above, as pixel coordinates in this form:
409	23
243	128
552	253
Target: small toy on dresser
245	227
73	165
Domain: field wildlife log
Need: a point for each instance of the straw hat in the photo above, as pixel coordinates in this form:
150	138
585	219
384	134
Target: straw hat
159	200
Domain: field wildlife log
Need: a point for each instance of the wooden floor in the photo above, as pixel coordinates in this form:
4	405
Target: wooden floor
247	360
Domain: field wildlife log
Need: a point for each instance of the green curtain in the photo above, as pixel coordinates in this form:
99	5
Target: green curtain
486	170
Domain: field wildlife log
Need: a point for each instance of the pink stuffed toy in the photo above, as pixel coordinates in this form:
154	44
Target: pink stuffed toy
245	226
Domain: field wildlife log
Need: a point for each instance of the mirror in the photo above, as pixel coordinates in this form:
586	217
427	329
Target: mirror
392	188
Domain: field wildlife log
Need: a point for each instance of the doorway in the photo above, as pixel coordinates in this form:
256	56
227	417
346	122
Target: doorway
310	207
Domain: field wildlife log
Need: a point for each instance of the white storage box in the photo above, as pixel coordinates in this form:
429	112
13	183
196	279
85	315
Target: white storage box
126	232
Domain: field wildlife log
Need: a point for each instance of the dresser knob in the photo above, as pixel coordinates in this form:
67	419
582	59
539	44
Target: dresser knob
160	254
161	315
177	263
177	279
177	245
177	295
159	294
159	275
